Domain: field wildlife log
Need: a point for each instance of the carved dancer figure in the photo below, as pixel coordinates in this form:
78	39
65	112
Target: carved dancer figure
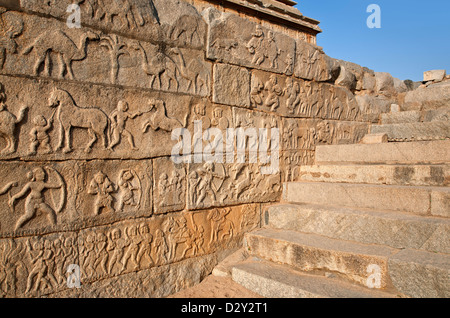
102	187
219	220
256	91
35	200
145	243
206	186
8	122
134	240
118	119
271	49
116	245
161	248
39	136
292	92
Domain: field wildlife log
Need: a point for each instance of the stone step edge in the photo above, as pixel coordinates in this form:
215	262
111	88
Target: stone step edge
433	205
280	281
390	174
376	257
382	216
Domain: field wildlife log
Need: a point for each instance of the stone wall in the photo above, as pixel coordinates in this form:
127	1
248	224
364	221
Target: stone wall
87	116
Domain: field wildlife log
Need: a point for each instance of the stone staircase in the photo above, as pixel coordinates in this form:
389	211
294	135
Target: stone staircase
368	220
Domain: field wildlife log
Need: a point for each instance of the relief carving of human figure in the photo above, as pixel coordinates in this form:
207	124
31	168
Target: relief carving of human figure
35	200
39	135
256	46
126	188
102	187
275	91
119	118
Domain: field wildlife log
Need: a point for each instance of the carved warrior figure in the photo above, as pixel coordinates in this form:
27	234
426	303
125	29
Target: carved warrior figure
10	28
70	115
8	122
159	118
11	266
35	201
102	187
58	42
127	189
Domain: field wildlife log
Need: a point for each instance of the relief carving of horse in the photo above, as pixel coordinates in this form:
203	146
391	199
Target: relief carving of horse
70	115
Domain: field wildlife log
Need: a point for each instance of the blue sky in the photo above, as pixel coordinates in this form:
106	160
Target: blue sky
414	36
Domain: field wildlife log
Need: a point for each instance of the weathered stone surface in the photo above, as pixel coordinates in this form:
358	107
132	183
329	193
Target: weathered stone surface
426	98
309	252
440	203
400	117
397	230
420	274
298	98
435	75
278	281
375	138
231	85
49	48
384	82
418	200
390	153
371	107
73	121
414	131
418	175
311	63
236	40
122	248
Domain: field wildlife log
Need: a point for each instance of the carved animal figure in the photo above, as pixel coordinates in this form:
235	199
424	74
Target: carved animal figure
156	67
8	122
195	72
159	119
10	28
70	115
186	30
58	42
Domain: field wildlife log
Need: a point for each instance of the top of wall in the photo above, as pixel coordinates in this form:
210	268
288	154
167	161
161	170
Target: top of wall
277	11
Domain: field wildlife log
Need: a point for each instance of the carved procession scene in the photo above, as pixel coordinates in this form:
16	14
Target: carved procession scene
149	139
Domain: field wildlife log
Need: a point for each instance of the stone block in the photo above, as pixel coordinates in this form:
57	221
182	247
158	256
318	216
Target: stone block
375	138
231	85
434	75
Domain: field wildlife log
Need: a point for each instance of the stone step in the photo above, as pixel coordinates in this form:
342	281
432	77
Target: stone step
416	175
393	229
435	130
409	272
420	274
423	152
311	252
432	201
415	116
277	281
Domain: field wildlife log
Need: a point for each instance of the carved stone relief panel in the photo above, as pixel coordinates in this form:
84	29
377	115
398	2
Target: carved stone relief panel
170	185
43	47
42	198
313	132
292	160
236	40
175	22
59	121
310	62
291	97
36	266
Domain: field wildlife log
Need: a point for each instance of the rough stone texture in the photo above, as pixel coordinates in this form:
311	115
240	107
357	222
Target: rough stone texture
277	281
435	75
431	97
414	131
400	117
309	252
231	85
411	271
414	175
397	230
375	138
391	153
88	120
